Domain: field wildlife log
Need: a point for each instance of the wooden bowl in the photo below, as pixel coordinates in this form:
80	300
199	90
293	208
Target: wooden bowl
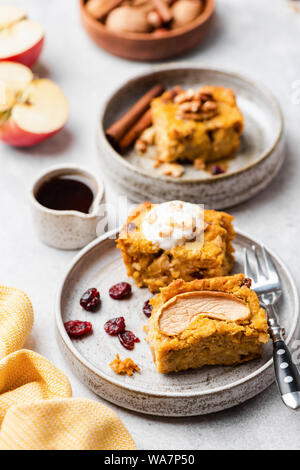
146	46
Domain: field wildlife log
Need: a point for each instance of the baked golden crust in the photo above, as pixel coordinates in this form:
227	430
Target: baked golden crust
208	341
155	268
127	366
188	139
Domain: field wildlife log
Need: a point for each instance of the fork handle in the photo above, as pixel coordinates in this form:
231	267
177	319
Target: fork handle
287	375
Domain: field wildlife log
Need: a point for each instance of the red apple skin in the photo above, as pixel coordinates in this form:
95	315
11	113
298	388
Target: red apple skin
28	57
13	135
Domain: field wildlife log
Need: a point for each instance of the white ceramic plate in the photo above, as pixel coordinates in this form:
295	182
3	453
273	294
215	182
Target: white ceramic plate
259	159
187	393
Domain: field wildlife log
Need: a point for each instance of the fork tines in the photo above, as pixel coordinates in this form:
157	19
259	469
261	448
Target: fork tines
264	277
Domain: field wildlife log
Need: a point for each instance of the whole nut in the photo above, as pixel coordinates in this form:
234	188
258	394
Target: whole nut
128	19
190	106
203	96
209	106
185	11
95	7
154	19
188	95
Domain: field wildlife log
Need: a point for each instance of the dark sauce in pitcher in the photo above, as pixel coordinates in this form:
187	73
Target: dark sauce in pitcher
66	192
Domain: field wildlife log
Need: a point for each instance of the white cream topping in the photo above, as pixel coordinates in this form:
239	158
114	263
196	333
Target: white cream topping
173	223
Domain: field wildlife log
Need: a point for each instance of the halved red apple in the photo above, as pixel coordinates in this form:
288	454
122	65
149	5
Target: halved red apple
31	110
21	40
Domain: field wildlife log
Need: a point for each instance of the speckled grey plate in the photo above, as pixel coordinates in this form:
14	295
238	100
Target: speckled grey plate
257	162
192	392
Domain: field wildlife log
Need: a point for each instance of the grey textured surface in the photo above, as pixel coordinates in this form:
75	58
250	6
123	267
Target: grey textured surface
259	38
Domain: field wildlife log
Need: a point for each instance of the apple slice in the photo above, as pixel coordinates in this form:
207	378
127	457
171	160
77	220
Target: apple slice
10	14
40	112
21	40
14	78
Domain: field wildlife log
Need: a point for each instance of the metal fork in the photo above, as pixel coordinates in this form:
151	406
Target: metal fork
266	284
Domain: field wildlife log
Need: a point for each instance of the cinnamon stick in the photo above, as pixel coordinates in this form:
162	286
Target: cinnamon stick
117	130
100	12
163	10
142	124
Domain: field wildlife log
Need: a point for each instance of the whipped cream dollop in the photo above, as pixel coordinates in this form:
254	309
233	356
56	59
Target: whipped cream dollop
173	223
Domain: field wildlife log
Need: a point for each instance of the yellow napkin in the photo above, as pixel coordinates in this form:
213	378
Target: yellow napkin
16	319
36	411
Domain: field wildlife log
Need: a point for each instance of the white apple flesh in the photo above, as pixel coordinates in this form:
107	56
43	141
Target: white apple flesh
31	110
14	78
10	15
21	40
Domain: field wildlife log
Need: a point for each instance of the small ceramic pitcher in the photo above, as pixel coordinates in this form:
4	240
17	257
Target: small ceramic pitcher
67	229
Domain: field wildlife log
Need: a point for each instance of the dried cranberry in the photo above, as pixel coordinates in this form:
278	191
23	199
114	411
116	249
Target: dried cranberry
217	170
115	326
127	339
90	300
77	328
147	308
119	291
246	282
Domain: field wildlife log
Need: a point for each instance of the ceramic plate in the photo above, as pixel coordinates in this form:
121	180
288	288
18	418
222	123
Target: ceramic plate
257	162
187	393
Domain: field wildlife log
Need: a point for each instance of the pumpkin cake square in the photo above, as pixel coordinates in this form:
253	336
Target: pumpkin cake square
214	321
205	123
176	240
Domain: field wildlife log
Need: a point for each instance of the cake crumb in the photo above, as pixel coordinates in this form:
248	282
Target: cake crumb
156	163
127	366
199	164
172	169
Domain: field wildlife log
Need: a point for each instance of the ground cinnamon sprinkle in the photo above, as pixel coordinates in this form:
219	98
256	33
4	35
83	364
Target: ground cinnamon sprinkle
127	366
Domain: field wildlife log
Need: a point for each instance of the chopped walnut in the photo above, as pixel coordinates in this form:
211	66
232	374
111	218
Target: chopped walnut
197	105
203	95
209	106
187	95
148	135
146	138
127	366
170	95
172	169
201	116
140	146
191	106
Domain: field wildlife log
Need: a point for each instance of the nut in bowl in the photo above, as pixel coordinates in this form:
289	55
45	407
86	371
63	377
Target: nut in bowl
65	204
147	29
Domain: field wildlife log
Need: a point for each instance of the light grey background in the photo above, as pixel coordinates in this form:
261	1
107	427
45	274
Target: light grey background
259	38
